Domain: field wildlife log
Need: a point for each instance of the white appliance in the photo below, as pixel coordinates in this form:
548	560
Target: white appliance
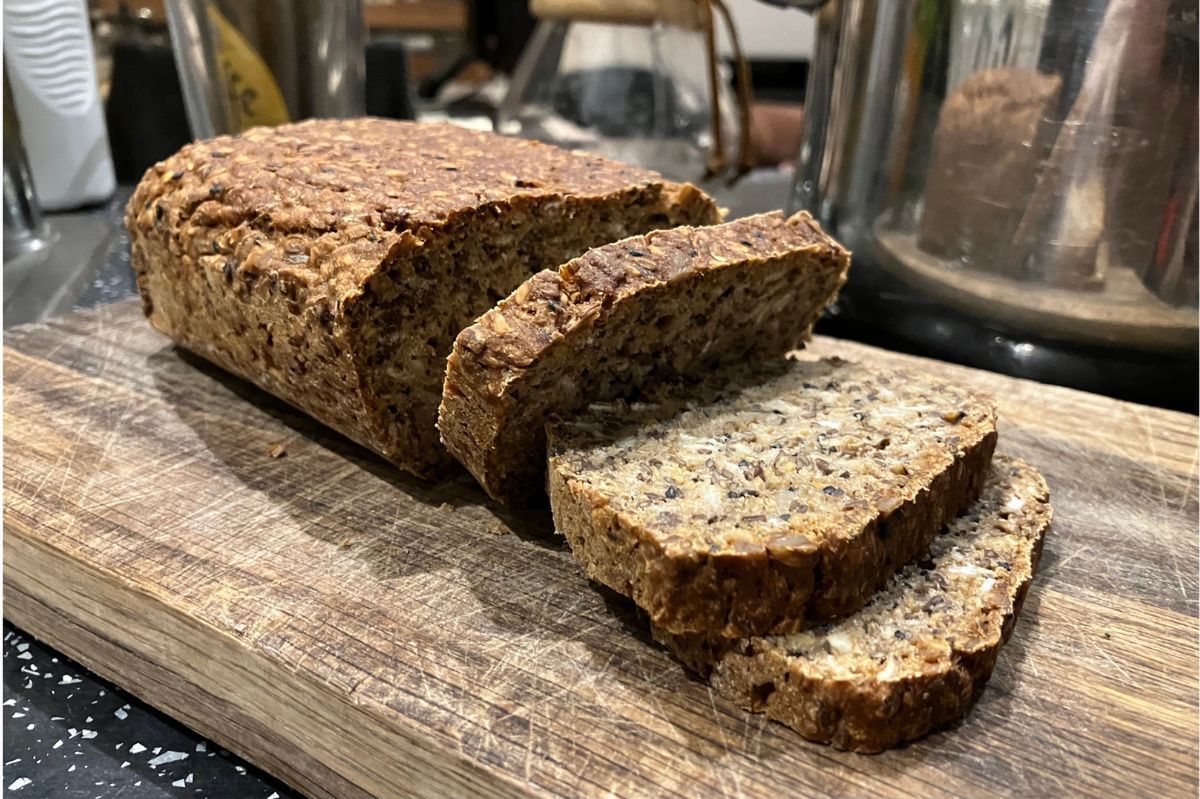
52	75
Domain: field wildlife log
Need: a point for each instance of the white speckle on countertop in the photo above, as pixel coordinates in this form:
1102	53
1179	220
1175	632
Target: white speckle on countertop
137	748
169	756
19	783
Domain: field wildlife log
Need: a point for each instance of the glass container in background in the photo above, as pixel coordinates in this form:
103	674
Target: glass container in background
1017	180
626	80
244	63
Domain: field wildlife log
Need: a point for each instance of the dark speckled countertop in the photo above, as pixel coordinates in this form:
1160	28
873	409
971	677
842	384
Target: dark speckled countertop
67	733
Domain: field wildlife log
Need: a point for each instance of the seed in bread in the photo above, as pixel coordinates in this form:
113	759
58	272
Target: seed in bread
768	496
682	301
332	262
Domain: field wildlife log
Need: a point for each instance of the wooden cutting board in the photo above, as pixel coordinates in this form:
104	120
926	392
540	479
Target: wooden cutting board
361	634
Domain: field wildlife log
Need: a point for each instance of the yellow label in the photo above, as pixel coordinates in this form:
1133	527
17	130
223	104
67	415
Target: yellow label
253	93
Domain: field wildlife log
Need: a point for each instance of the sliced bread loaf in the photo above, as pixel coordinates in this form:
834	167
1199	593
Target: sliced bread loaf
917	655
672	302
332	262
768	496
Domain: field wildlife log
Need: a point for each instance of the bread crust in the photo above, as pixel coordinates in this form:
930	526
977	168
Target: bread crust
621	317
331	262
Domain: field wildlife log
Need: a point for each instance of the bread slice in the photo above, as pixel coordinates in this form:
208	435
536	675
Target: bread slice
332	262
769	496
915	658
672	302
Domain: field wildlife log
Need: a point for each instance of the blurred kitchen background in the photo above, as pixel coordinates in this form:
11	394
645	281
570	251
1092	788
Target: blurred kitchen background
1017	178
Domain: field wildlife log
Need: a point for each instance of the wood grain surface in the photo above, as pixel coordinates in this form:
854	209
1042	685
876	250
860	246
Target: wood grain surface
360	634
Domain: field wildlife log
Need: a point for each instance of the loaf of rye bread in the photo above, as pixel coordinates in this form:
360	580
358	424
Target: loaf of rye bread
769	496
673	302
332	262
915	658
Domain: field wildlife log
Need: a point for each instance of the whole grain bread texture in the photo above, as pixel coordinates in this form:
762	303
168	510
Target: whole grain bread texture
332	262
769	496
611	322
917	656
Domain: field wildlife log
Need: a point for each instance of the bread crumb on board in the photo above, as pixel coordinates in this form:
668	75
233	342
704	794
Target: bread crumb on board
446	506
496	528
277	450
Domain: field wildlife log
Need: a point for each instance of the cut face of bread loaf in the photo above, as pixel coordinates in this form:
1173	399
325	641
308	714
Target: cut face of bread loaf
914	659
332	262
673	302
768	496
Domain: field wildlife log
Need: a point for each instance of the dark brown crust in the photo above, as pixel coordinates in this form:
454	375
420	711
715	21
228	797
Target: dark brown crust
867	715
687	300
269	253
